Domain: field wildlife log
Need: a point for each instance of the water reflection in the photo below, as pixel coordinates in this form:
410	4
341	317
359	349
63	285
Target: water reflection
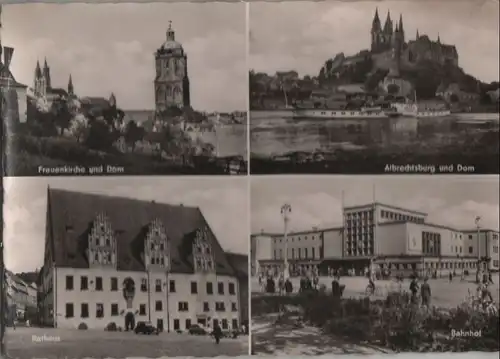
273	134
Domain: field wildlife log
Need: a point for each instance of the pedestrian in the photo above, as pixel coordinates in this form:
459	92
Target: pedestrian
288	286
414	289
425	293
217	333
450	276
490	278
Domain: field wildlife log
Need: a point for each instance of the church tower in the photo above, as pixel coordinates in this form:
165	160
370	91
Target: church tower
397	47
171	82
71	90
376	32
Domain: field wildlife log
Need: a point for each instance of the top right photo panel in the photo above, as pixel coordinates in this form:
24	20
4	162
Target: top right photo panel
374	87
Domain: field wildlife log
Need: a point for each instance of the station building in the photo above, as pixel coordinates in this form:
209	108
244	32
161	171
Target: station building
397	239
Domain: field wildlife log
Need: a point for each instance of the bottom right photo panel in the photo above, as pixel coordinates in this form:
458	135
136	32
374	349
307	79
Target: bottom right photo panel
374	264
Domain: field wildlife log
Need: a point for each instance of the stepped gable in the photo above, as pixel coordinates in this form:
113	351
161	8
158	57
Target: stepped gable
70	216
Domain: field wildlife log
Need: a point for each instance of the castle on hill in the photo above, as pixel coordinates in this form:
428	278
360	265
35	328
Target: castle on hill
391	51
392	38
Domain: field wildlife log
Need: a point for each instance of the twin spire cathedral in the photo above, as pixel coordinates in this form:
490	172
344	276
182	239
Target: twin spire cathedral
387	37
42	86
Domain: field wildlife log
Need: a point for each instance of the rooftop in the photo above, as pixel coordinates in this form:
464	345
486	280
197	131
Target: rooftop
70	216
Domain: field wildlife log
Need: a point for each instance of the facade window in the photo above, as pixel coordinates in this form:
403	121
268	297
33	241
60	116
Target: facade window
183	307
114	309
171	286
470	249
84	283
220	287
293	253
69	310
188	324
470	236
98	283
84	310
234	308
194	288
206	306
232	290
114	284
210	288
142	309
69	282
158	285
158	305
177	325
224	323
99	310
305	253
235	323
275	257
220	307
144	285
313	254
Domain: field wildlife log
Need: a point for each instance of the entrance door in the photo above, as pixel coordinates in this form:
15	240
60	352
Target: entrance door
159	325
215	321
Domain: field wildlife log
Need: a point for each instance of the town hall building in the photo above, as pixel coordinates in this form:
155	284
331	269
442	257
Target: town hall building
120	260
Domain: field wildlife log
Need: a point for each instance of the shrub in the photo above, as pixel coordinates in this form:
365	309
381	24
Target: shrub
111	327
395	322
82	326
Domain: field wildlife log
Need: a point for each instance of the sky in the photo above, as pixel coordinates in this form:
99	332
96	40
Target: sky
223	201
302	36
109	48
316	201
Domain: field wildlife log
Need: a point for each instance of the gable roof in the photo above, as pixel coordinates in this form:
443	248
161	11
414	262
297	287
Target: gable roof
71	215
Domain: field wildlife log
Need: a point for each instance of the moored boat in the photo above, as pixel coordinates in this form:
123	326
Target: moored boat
325	114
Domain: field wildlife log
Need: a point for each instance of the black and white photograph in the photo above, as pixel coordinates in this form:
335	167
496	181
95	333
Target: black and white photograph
374	87
374	264
124	89
126	267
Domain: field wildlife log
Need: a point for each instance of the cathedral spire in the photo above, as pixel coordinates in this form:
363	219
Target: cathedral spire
388	23
439	39
170	32
38	70
70	85
401	29
418	35
376	21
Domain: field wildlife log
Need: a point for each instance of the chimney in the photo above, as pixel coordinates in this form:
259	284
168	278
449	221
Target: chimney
8	51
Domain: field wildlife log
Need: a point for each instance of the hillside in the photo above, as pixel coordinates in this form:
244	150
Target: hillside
427	78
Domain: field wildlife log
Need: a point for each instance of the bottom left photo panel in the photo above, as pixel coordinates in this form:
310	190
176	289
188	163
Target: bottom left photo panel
121	267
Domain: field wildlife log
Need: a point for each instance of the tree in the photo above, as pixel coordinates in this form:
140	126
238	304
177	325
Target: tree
392	89
133	133
79	127
454	98
61	115
100	136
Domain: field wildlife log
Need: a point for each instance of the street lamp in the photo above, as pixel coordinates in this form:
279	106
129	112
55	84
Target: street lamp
478	228
286	209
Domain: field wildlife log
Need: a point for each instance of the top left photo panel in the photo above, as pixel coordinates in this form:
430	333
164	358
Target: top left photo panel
124	89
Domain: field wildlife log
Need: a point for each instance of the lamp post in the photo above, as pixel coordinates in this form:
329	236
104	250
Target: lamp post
286	209
478	233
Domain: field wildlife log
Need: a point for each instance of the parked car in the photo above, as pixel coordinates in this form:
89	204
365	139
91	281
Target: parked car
197	329
145	328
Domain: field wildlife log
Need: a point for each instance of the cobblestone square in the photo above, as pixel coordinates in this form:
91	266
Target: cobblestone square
24	343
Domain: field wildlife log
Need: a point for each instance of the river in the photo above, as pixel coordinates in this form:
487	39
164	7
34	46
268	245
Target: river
276	133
